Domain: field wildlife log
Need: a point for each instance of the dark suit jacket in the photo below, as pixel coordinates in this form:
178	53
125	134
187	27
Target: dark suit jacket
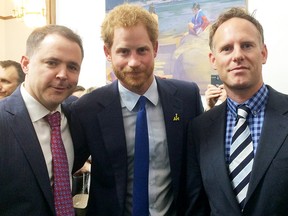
98	123
24	182
268	188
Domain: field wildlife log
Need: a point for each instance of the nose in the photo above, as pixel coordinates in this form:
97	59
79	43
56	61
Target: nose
238	55
62	73
134	60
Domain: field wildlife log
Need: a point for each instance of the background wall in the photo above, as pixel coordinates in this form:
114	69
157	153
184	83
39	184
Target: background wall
2	28
13	34
85	17
273	17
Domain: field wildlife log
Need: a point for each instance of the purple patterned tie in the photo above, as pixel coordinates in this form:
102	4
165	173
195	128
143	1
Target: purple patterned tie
61	187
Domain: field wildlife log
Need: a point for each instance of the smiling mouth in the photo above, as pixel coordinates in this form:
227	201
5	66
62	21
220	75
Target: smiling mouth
60	88
238	68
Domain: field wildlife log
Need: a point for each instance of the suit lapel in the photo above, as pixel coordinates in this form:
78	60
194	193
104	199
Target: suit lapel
214	149
26	137
173	111
277	124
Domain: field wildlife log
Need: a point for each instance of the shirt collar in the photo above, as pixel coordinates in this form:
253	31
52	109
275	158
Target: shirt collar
35	109
256	103
129	99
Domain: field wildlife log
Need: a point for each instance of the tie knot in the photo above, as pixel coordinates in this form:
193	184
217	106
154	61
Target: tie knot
142	101
53	119
243	111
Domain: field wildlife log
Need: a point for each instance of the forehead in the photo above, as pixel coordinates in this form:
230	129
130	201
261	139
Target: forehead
58	46
55	40
136	35
10	72
238	25
236	28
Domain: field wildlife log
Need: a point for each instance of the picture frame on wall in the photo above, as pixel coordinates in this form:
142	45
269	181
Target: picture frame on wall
50	11
183	44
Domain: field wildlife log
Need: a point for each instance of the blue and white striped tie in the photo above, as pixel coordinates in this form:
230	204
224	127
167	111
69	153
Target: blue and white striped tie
241	156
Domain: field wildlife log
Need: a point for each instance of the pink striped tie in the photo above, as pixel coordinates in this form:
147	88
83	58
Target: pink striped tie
61	187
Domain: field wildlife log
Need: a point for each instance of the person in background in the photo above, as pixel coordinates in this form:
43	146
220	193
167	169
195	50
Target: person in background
199	21
104	121
214	95
11	75
28	162
152	11
237	152
79	91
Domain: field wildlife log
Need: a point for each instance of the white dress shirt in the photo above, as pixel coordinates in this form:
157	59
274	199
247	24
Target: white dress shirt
37	112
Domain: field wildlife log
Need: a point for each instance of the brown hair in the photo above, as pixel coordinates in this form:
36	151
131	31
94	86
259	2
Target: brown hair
9	63
38	35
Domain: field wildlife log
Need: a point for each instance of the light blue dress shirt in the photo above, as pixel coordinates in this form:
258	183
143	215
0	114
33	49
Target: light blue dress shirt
160	183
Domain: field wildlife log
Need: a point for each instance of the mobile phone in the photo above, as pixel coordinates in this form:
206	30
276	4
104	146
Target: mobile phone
215	80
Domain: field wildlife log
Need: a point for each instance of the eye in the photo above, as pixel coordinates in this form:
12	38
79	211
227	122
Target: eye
247	46
5	81
142	50
51	63
73	68
123	52
226	49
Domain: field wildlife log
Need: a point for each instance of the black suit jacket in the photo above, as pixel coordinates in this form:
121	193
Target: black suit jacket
98	124
24	181
268	188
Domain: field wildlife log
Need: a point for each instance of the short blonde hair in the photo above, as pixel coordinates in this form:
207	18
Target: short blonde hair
128	15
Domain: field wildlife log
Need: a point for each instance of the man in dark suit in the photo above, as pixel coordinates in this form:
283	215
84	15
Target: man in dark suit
51	65
104	120
258	185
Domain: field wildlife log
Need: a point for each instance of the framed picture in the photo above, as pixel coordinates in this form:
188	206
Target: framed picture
51	11
183	43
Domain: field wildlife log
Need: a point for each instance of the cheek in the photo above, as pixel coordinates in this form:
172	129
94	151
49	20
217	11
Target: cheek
148	60
223	63
119	63
73	78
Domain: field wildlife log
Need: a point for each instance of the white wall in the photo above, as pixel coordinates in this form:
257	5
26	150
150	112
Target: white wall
2	38
2	32
274	21
85	17
16	33
13	34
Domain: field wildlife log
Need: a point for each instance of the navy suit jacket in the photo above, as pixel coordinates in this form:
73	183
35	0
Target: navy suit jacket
268	188
24	181
98	124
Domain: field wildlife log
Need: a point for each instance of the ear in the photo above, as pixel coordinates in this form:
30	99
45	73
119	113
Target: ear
212	60
25	64
264	53
107	52
155	49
